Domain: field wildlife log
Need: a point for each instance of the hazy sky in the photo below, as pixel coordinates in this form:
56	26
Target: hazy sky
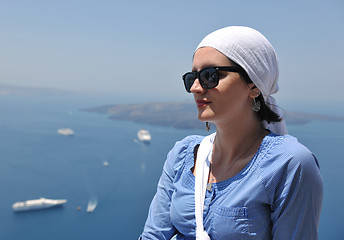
143	47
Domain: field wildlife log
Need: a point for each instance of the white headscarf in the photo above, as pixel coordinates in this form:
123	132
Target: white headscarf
253	52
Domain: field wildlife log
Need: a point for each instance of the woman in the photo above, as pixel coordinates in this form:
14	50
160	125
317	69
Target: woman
249	180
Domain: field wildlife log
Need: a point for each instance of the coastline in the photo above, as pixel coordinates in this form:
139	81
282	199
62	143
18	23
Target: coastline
183	115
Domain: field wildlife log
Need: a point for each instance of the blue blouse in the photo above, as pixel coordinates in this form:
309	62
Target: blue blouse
278	195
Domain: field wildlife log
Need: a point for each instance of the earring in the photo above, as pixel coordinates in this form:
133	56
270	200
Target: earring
256	105
207	126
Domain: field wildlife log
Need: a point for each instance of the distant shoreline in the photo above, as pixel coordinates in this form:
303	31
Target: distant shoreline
183	115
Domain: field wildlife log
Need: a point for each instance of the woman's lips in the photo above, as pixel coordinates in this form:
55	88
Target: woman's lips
202	103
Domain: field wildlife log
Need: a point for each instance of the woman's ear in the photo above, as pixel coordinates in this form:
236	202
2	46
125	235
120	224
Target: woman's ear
254	91
251	86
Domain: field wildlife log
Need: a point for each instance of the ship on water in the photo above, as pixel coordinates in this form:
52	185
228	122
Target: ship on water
65	131
37	204
144	136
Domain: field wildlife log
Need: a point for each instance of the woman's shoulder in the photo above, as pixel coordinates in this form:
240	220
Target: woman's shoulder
285	155
189	140
186	144
288	166
182	151
287	148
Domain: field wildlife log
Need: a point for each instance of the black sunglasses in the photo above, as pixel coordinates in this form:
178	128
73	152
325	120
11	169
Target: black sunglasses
208	77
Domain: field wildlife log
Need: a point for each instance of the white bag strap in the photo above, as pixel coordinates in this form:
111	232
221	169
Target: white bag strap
204	154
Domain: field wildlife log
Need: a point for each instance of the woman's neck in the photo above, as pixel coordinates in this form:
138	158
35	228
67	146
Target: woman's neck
236	141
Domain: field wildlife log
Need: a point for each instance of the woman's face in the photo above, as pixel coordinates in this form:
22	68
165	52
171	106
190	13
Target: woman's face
230	100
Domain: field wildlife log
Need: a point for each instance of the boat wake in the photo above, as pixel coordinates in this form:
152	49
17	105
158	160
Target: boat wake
91	206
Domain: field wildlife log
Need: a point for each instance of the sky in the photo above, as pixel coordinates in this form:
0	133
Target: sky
142	48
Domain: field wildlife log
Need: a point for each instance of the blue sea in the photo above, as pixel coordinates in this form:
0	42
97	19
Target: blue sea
37	162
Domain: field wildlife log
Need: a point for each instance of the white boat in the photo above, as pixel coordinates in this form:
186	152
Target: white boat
65	131
144	135
37	204
92	204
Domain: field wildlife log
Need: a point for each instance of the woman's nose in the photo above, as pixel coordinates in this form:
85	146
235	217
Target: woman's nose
197	87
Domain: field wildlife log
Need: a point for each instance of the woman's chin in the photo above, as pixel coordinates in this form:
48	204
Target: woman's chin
202	116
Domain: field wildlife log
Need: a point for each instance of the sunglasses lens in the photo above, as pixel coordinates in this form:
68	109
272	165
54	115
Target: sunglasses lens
189	79
209	78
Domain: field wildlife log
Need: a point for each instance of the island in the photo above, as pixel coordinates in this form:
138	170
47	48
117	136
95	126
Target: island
182	115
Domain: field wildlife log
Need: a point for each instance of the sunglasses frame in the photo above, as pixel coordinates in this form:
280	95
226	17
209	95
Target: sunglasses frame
217	69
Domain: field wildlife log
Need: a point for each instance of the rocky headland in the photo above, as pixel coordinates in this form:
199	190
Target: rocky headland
183	114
